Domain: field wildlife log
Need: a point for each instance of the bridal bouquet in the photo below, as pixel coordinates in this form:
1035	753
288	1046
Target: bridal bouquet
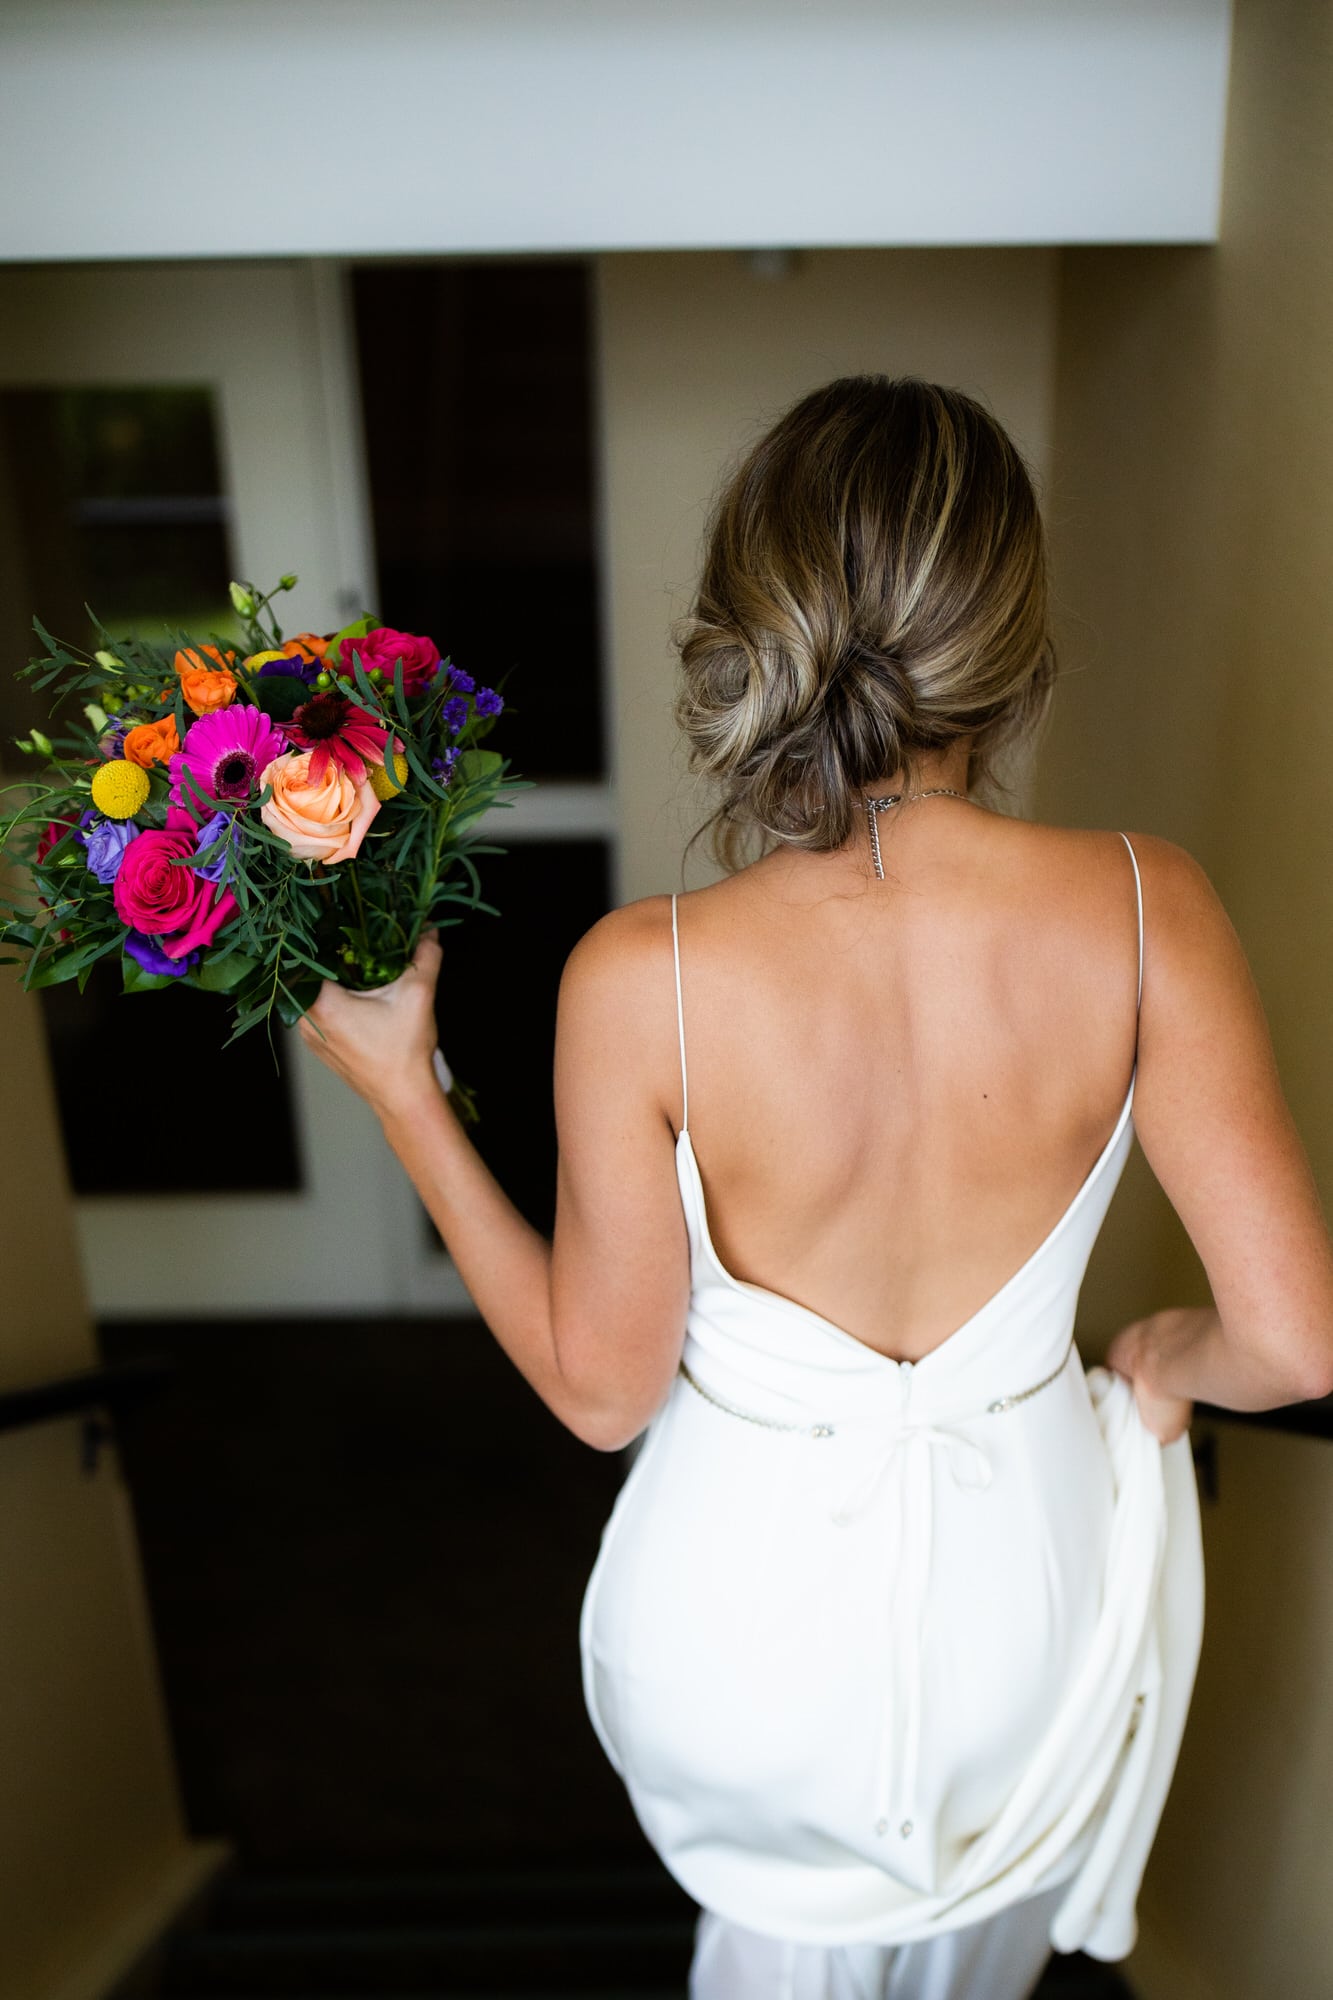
251	823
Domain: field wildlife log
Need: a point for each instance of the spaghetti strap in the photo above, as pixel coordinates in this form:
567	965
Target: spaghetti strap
680	1026
1138	891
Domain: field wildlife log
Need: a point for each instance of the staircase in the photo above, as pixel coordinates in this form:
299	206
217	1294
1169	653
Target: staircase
572	1933
620	1933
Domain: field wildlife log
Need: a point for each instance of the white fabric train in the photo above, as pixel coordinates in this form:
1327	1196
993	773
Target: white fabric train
879	1649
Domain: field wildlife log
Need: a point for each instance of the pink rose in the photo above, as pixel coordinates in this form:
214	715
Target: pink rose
173	904
321	819
384	648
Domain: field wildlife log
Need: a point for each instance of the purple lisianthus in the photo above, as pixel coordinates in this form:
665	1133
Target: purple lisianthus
294	665
113	743
454	713
464	683
148	953
215	869
489	702
104	844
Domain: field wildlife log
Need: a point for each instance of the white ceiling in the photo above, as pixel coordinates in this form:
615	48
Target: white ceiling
182	128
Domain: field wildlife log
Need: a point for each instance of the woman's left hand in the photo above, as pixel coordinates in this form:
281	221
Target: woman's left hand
1130	1354
381	1045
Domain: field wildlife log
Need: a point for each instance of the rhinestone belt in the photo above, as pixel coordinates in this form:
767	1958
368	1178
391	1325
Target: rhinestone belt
821	1430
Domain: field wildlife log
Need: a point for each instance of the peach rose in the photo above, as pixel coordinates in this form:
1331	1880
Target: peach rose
206	687
151	742
324	820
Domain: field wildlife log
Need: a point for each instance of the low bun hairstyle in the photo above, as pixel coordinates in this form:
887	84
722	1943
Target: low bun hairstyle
873	587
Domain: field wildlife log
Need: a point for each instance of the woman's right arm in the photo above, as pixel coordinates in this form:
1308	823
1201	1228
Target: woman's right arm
1216	1130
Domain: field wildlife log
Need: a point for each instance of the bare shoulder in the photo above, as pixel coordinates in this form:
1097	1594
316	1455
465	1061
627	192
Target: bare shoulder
621	939
1178	880
623	950
1177	893
1084	843
615	1014
1191	951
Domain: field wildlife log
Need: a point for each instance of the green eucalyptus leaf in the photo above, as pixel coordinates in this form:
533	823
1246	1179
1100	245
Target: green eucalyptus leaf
135	980
356	630
223	974
292	1002
476	765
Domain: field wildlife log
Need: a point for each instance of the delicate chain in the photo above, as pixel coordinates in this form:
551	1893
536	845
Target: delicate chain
1003	1403
995	1409
768	1423
874	806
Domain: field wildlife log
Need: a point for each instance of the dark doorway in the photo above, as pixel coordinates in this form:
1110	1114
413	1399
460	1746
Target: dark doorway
476	383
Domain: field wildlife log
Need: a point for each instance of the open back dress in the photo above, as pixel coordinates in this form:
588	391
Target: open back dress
879	1647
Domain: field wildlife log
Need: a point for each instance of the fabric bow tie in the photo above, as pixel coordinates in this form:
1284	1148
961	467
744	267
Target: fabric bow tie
969	1464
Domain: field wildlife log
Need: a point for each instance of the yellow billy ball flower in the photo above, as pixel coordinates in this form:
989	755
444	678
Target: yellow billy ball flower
382	784
258	660
120	788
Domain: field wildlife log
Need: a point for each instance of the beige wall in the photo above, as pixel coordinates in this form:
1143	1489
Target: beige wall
93	1857
697	356
1192	511
1179	406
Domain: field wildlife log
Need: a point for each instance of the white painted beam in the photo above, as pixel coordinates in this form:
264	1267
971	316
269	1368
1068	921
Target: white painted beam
151	128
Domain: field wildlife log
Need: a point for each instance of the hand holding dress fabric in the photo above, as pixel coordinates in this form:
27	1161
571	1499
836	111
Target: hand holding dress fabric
1167	1417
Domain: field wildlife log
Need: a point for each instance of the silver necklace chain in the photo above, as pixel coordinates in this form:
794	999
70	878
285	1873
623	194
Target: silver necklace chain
874	806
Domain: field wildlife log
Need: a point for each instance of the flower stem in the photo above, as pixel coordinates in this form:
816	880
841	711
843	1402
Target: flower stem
360	910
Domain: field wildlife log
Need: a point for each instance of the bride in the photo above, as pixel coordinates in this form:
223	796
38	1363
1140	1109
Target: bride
894	1626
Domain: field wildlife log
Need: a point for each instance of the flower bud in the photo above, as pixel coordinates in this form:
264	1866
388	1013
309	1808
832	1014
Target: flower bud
110	662
42	743
242	600
323	679
96	716
288	582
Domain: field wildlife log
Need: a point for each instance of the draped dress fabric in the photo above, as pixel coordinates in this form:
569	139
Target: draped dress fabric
881	1649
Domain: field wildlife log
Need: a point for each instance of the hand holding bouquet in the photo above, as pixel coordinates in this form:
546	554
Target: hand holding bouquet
252	824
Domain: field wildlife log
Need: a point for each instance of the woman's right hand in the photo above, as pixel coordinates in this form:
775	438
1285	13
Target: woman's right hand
1129	1354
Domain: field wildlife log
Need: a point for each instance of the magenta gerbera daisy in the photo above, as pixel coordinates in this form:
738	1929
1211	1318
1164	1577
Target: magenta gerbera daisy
334	729
224	753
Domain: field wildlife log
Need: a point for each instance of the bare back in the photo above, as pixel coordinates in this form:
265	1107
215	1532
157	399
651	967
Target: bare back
897	1087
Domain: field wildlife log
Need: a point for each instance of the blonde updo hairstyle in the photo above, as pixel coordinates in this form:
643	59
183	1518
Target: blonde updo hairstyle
874	586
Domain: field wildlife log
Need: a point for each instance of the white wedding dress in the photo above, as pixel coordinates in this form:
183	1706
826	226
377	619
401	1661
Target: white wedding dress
894	1659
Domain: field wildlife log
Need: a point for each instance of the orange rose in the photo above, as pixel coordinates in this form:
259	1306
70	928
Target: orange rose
204	692
323	820
200	658
151	742
206	688
306	646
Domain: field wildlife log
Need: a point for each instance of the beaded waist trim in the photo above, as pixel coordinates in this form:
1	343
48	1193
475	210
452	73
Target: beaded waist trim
822	1430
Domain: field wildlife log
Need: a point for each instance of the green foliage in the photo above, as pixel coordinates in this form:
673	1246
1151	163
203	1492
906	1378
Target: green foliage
279	695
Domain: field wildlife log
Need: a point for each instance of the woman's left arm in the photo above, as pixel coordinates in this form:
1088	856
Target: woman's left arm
595	1319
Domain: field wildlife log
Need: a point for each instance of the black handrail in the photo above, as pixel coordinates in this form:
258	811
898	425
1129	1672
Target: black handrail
116	1386
1313	1420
